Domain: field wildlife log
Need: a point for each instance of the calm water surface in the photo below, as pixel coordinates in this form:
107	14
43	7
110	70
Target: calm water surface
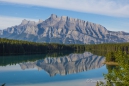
42	70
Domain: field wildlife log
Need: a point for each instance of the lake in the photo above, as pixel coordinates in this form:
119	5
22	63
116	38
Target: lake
75	69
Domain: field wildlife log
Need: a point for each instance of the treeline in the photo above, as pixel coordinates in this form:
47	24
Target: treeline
9	46
109	50
108	47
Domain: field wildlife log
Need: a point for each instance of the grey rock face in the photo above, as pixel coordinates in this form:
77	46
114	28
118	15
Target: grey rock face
73	63
64	30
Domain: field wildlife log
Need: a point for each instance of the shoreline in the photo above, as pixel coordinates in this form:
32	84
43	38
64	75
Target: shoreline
111	63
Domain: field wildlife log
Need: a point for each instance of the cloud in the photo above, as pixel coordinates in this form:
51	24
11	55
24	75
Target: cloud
118	8
6	21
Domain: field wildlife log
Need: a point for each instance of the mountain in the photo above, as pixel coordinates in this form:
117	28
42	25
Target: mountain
64	30
73	63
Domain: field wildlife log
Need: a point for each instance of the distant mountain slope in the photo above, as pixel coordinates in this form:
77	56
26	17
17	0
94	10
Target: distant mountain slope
64	30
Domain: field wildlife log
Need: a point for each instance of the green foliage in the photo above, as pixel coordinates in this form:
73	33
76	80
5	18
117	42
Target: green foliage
118	75
108	47
110	57
8	46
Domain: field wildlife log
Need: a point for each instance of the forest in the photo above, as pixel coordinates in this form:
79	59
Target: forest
108	47
109	50
9	47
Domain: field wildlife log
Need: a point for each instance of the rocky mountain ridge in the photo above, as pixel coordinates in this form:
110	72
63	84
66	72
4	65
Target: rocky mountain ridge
64	30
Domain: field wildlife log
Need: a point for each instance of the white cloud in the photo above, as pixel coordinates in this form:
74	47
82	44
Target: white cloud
119	8
6	21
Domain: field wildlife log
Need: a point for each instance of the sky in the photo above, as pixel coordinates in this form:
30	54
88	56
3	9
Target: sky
112	14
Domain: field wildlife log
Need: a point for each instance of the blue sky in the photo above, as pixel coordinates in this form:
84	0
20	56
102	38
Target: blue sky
112	14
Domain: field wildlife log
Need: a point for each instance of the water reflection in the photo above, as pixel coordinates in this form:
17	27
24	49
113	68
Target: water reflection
67	69
73	63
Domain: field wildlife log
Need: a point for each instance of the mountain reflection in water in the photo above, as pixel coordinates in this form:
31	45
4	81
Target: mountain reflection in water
73	63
